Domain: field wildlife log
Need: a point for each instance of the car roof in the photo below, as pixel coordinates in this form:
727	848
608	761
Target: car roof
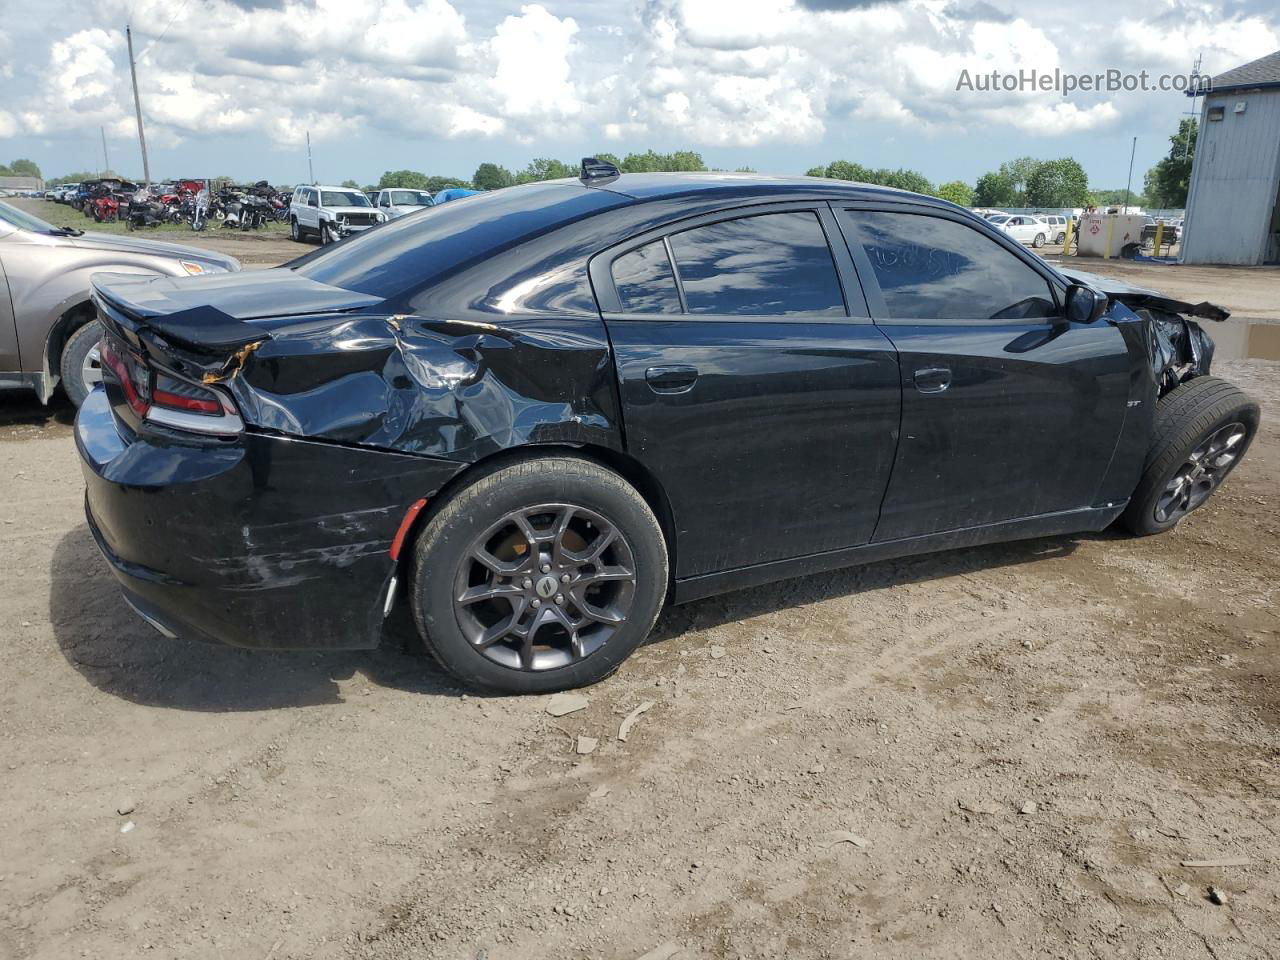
655	186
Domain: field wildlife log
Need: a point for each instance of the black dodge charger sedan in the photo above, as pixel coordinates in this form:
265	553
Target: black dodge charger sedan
537	414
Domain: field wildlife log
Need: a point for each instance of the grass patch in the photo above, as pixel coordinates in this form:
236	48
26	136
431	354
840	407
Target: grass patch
62	215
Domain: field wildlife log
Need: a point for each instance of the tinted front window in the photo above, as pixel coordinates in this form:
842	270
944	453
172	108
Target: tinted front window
410	252
775	264
645	282
934	269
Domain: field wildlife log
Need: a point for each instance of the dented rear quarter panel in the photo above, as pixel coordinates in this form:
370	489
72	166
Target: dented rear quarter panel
432	387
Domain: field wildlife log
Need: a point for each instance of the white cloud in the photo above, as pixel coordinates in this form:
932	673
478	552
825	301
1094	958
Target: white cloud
532	76
697	72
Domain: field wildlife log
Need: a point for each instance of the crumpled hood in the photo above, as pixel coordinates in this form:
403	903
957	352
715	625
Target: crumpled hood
1133	297
156	248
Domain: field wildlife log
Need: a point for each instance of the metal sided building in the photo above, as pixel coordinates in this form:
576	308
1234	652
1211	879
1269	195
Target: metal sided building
1233	203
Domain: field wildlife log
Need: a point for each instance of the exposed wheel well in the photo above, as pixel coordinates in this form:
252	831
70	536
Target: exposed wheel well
626	466
71	320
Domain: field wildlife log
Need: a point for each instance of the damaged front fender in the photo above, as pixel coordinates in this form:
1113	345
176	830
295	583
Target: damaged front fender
1179	348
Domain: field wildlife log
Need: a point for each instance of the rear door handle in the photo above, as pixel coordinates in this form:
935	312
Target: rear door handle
674	379
932	379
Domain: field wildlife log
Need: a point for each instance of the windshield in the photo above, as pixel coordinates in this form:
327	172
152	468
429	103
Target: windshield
23	220
343	198
412	251
411	198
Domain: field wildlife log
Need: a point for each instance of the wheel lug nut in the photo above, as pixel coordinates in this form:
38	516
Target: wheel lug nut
560	598
564	578
528	584
546	568
537	602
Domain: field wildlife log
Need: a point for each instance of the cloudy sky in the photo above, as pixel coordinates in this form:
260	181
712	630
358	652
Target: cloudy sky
231	86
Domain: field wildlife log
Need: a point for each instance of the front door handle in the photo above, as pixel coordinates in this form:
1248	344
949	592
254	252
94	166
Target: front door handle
933	379
674	379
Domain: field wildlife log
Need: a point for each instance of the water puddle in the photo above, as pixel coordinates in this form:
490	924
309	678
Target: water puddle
1245	340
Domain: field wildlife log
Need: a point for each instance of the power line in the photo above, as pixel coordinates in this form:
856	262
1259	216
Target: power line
165	30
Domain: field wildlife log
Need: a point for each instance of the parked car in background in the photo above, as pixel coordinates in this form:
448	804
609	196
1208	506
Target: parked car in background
1057	225
398	201
1023	227
454	193
533	417
330	213
1172	232
48	330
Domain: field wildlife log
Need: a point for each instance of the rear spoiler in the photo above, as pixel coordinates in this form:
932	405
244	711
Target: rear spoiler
204	329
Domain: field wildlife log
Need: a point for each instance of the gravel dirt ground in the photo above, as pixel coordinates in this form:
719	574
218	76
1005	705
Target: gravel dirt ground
1004	752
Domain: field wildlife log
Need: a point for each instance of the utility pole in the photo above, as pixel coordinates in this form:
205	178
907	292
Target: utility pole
310	169
1193	112
1129	182
137	107
106	159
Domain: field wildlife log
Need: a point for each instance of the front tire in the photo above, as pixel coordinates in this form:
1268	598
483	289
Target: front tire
1202	430
80	365
539	576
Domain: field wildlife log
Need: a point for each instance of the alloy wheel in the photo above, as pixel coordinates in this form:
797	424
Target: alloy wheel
1201	473
91	368
545	586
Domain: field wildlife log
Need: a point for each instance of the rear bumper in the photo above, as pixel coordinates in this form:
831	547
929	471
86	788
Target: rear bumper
266	542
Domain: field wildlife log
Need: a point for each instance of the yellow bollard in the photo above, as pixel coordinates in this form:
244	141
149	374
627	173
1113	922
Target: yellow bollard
1066	240
1111	231
1159	236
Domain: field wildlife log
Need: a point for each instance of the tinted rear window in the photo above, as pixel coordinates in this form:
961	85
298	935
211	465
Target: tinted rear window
408	253
775	264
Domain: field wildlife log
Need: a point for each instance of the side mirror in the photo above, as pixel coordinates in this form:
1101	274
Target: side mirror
1085	304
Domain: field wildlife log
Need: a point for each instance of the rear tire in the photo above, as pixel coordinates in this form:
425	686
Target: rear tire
583	617
1202	430
77	359
1038	242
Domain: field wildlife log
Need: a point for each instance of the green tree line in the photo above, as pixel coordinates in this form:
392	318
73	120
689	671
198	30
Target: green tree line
1021	182
20	168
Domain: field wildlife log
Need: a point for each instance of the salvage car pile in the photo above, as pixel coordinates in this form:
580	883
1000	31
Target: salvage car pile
191	201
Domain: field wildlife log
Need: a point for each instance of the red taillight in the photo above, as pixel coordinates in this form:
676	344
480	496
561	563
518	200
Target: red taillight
161	397
131	374
180	395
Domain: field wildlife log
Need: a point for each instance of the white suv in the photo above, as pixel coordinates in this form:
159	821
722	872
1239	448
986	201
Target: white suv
330	213
1057	226
398	201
